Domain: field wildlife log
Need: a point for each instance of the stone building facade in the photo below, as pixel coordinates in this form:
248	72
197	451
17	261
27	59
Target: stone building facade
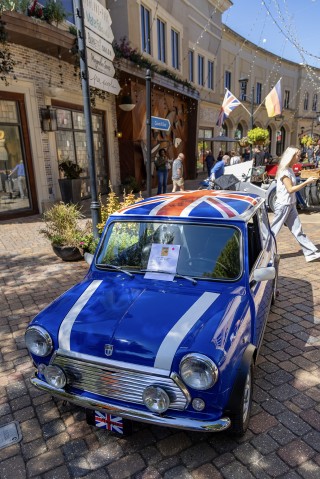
194	57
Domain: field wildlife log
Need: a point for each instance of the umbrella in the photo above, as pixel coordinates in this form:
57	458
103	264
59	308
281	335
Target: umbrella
223	139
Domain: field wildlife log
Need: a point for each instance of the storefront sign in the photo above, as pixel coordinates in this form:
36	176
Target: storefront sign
160	123
103	82
99	63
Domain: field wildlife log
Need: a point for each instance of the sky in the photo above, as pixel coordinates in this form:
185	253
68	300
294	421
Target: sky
288	28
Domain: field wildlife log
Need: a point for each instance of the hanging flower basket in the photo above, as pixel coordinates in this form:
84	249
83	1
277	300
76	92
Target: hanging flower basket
258	136
244	142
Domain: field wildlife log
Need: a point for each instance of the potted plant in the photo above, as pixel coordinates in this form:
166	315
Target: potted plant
62	229
70	240
258	136
308	140
54	12
70	184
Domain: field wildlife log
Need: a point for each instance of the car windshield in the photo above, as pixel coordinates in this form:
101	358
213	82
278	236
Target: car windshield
203	251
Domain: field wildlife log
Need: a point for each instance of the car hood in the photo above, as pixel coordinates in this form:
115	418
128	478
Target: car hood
129	322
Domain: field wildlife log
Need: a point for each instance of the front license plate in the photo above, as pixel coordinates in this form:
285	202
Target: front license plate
103	420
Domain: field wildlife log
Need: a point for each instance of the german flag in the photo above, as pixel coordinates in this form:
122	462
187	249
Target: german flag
273	101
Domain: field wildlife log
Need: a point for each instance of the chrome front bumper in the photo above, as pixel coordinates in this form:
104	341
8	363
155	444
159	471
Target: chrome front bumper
134	415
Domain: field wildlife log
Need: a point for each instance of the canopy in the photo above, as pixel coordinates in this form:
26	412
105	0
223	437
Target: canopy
223	139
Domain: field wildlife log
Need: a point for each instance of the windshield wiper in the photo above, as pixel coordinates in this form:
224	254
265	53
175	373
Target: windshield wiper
176	275
113	266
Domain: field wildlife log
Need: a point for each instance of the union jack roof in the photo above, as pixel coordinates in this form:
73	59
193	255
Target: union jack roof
196	204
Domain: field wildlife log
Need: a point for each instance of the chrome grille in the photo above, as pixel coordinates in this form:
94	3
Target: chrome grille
120	384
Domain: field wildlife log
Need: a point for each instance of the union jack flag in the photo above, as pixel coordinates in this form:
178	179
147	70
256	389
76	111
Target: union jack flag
109	422
200	203
230	102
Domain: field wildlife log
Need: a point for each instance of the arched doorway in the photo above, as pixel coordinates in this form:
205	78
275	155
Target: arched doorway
280	141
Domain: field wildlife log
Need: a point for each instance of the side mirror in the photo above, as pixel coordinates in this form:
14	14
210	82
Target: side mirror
88	257
264	274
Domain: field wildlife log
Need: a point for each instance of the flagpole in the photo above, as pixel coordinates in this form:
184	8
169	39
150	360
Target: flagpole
245	108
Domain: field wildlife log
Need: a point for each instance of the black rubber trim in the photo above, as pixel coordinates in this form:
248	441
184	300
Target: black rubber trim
233	403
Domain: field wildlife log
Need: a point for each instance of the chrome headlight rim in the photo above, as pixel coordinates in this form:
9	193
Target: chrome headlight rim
45	335
204	360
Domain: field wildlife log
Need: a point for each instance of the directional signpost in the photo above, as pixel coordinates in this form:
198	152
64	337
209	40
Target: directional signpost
160	123
93	24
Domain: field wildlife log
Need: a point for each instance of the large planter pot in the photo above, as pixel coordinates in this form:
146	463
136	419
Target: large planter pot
67	253
70	190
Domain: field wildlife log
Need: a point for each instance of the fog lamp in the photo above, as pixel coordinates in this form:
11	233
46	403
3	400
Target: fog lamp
198	404
55	377
156	399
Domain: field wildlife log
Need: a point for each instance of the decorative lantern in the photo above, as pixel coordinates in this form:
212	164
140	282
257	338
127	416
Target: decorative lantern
49	119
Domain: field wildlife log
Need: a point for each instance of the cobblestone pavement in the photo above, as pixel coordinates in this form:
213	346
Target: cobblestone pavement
283	440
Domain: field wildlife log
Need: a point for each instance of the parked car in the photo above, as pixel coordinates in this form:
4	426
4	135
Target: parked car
167	324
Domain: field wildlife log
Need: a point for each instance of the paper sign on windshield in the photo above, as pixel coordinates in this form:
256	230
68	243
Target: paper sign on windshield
163	261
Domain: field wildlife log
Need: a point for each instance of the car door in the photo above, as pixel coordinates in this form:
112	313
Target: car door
260	254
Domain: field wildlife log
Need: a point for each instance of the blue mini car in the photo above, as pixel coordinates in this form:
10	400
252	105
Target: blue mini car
167	324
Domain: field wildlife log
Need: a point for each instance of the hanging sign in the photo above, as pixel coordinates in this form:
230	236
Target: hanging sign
99	45
103	82
99	63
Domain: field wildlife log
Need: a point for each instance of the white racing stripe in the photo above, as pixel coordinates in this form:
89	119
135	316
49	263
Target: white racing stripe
67	323
179	331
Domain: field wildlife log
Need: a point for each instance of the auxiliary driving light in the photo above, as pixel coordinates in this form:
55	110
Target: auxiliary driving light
156	399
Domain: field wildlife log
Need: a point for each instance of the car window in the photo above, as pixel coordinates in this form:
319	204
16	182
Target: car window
254	240
206	251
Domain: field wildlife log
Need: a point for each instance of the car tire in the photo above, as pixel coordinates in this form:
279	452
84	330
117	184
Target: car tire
272	199
241	417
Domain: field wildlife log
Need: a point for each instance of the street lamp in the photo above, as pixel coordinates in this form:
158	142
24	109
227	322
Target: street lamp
243	96
317	118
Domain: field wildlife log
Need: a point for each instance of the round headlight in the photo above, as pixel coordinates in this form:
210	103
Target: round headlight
38	341
55	377
198	371
156	399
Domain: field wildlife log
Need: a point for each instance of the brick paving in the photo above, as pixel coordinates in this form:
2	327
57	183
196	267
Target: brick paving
283	440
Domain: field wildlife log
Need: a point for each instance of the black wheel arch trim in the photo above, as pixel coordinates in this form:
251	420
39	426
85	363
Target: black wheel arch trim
241	375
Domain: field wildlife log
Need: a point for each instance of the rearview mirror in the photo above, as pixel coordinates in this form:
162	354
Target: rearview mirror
88	257
264	274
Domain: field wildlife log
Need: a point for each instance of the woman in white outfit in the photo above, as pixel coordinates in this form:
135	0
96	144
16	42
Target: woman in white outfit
285	206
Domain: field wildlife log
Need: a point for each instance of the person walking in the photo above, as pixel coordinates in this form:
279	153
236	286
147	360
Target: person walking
218	169
258	157
177	173
285	205
161	163
209	161
235	158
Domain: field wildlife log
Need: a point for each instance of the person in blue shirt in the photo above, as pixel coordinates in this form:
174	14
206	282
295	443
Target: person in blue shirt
218	169
21	174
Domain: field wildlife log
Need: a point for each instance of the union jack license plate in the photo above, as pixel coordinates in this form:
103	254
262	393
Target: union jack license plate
110	422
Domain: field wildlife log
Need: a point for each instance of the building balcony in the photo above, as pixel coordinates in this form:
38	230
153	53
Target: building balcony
38	35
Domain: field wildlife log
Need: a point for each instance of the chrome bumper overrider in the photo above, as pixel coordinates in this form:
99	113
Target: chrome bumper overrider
127	413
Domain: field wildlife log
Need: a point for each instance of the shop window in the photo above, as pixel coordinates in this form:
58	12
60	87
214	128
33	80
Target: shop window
16	194
71	145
